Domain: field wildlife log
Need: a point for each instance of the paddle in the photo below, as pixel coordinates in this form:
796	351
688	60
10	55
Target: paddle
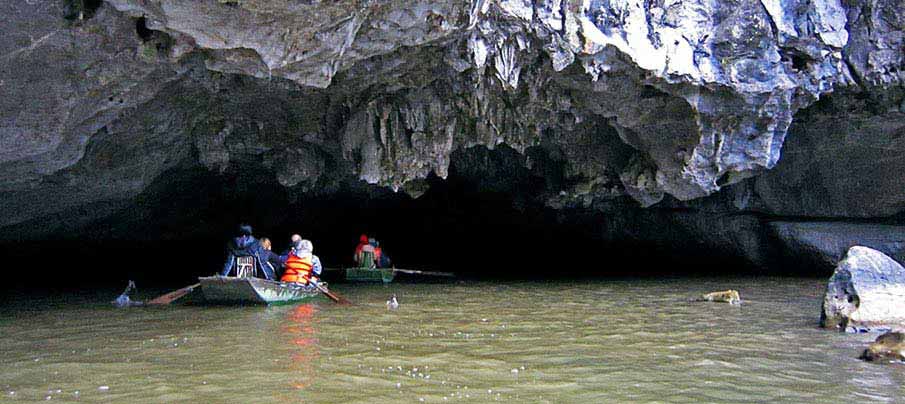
412	271
334	297
174	295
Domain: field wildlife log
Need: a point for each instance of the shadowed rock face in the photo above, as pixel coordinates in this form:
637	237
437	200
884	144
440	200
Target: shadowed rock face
664	103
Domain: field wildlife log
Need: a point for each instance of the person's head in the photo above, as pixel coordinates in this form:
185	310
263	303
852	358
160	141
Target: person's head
303	248
265	242
245	229
363	239
372	242
294	239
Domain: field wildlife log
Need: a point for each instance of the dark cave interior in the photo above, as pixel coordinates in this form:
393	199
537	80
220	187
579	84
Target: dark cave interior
479	228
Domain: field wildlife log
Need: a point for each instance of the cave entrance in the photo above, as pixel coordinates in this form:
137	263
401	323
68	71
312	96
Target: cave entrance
482	222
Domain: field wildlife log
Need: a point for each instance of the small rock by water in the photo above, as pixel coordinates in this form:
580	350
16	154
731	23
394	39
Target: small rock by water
392	303
728	296
887	347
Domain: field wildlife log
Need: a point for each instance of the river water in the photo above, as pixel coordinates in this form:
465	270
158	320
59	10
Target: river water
582	342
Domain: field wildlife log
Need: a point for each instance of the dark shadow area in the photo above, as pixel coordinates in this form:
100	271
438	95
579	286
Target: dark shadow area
479	229
77	10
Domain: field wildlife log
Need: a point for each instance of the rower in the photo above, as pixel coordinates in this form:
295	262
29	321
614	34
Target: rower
364	253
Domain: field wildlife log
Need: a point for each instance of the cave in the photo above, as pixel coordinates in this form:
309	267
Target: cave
492	156
481	223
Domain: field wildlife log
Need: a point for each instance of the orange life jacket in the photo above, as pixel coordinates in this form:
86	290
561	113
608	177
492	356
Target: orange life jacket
297	269
377	254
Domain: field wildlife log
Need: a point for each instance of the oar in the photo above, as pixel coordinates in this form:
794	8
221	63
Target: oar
412	271
172	296
334	297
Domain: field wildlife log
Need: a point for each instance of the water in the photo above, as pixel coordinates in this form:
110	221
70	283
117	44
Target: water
602	341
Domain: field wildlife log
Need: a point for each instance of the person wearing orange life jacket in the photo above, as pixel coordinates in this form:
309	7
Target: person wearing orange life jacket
381	259
378	252
301	265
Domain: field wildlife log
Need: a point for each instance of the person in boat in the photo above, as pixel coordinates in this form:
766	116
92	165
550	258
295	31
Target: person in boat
300	264
381	259
364	245
270	258
245	245
316	264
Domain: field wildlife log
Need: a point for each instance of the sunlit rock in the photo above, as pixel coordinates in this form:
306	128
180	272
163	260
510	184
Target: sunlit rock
726	296
866	292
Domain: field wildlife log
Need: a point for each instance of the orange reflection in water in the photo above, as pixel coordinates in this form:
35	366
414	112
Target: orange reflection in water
300	331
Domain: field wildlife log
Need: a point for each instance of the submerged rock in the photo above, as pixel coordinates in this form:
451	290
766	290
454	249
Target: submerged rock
866	292
726	296
887	347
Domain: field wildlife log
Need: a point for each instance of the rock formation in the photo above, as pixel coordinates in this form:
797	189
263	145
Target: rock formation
889	347
665	103
866	292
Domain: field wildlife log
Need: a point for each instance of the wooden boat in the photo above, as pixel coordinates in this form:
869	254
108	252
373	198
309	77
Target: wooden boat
248	290
370	273
384	275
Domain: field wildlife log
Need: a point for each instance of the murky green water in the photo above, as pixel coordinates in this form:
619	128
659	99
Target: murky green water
606	341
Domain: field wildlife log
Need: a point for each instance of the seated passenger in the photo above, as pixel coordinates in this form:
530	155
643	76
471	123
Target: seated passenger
377	251
316	267
299	264
359	256
382	260
245	245
270	258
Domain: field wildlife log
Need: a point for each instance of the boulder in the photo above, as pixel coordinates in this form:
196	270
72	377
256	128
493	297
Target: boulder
887	347
866	292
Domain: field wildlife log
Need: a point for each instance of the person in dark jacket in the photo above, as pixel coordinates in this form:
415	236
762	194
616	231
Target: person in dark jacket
271	258
246	245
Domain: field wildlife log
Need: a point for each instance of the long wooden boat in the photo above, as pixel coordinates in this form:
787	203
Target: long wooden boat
247	290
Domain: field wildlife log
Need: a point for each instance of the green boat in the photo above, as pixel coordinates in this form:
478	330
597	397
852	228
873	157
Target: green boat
368	271
249	290
384	275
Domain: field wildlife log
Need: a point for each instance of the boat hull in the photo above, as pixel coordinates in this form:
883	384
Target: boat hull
384	275
232	290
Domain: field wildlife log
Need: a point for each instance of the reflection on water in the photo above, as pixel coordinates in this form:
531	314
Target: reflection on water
299	332
606	341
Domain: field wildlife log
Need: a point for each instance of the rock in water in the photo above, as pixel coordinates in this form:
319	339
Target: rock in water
867	291
393	304
728	296
889	346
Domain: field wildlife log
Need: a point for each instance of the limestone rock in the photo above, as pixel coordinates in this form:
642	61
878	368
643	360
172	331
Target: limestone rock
866	292
888	347
726	296
825	243
655	101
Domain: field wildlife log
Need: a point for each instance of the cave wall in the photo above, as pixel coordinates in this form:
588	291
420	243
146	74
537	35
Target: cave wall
721	118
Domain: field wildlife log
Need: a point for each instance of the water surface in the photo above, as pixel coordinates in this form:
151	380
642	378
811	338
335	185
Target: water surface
597	341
